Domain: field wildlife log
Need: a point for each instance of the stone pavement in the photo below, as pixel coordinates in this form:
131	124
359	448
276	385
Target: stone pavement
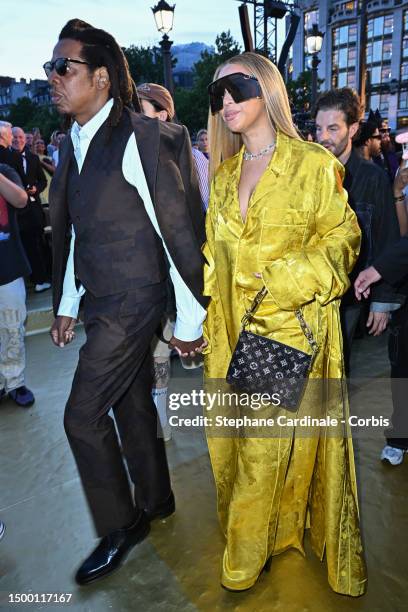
177	568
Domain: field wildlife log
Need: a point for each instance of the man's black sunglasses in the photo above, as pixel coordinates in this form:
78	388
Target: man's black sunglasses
240	86
61	65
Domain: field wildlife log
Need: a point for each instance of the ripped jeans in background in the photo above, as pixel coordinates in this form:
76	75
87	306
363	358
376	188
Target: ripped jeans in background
12	350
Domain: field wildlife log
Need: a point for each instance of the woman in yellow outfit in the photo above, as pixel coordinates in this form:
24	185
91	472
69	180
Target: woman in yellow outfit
278	216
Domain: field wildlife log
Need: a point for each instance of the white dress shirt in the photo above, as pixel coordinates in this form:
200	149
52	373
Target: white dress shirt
190	313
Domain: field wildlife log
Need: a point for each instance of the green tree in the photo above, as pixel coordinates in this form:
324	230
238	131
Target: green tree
47	119
27	114
146	64
22	112
300	91
192	104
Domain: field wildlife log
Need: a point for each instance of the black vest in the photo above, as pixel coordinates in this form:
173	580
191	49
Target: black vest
116	245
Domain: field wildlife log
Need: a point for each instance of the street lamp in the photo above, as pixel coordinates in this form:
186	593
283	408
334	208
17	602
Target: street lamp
164	15
314	41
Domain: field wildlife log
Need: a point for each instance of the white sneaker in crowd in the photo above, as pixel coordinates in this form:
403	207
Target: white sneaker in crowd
393	455
42	287
166	432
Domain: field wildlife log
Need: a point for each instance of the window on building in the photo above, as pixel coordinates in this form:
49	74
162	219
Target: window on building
385	74
378	58
344	55
375	101
343	35
404	63
352	55
377	51
405	46
347	6
387	50
342	79
375	75
343	58
353	33
351	79
402	122
388	24
384	100
379	101
378	26
403	99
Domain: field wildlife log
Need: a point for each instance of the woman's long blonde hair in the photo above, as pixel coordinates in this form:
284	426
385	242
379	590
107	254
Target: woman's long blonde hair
223	143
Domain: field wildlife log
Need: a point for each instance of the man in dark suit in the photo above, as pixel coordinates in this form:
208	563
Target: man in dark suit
7	154
31	220
392	266
126	187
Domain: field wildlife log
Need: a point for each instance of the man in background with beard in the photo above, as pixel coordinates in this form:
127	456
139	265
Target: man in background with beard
337	116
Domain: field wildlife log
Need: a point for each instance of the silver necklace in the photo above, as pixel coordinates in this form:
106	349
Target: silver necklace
250	156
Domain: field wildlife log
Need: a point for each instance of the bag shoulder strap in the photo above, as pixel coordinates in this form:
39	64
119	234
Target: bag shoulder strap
298	313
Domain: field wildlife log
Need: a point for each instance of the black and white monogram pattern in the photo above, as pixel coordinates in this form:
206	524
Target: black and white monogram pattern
262	365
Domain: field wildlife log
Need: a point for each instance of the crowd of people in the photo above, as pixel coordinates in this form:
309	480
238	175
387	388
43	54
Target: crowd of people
296	222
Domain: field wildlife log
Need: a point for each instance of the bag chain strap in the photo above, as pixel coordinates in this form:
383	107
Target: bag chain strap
299	315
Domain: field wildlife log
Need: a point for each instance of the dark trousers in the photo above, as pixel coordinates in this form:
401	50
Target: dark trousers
349	316
35	248
114	370
398	353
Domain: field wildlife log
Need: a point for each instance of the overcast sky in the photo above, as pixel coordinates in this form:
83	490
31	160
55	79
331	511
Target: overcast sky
29	28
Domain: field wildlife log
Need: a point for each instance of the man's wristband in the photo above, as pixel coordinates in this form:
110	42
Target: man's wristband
400	198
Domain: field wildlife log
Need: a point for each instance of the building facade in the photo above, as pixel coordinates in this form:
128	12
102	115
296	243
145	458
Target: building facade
11	90
375	34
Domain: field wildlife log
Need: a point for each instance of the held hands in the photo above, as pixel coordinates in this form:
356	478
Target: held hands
62	331
377	322
363	281
188	349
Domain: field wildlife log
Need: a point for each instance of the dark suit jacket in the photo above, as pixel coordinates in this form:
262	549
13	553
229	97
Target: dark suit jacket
393	263
34	174
370	196
32	217
165	152
12	159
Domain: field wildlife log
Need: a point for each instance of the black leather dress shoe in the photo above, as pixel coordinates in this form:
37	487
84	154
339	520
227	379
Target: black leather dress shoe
164	510
112	550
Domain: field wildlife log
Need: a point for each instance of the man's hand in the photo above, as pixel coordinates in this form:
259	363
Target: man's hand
62	331
188	349
363	281
32	190
377	322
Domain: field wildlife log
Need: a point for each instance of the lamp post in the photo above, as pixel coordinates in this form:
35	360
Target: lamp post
314	41
164	15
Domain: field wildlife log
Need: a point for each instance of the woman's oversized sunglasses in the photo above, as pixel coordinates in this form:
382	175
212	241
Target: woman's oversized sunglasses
61	65
241	87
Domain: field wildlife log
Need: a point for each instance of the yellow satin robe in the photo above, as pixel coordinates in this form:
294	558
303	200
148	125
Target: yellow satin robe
302	236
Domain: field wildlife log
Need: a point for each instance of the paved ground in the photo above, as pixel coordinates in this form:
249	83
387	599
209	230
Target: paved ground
177	568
